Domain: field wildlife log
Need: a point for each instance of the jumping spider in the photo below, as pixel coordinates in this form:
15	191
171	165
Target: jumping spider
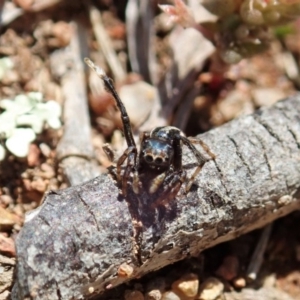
157	167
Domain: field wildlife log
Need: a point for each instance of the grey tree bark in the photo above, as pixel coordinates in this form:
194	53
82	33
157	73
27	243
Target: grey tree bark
75	245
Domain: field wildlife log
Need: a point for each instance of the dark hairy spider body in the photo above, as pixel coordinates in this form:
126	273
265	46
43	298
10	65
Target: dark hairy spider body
157	167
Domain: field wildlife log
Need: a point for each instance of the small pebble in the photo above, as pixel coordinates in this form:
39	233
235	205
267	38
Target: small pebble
100	102
239	282
229	268
187	286
133	295
61	34
269	281
5	295
125	270
138	98
235	103
47	171
25	4
170	296
39	185
33	157
45	149
7	219
27	184
211	289
6	200
7	246
267	96
154	295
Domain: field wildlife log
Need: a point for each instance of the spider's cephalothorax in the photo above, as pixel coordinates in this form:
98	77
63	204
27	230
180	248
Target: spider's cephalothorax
159	148
157	168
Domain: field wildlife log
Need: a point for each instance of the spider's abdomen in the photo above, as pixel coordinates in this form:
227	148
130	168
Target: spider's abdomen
166	132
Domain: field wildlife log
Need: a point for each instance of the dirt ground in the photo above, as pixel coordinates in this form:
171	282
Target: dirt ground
32	31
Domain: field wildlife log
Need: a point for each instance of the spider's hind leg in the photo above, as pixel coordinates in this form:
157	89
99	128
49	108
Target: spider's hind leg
204	146
201	159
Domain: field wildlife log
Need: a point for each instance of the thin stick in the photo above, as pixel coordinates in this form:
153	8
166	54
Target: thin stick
258	255
110	87
74	152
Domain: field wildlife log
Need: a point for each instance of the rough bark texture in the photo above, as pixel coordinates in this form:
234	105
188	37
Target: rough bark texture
72	246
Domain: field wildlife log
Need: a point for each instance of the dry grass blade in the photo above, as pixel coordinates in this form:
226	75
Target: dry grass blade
105	44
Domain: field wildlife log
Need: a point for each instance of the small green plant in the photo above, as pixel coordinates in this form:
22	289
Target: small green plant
23	118
243	27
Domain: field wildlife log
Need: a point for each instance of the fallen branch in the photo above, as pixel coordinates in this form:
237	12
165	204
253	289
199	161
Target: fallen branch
79	242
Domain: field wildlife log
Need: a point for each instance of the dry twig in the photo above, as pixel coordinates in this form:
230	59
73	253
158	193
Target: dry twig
75	151
105	44
75	245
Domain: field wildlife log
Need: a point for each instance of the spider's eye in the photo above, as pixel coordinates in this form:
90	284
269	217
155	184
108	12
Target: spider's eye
159	160
149	158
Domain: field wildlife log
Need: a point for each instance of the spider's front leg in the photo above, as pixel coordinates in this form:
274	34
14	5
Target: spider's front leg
130	154
112	169
136	183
